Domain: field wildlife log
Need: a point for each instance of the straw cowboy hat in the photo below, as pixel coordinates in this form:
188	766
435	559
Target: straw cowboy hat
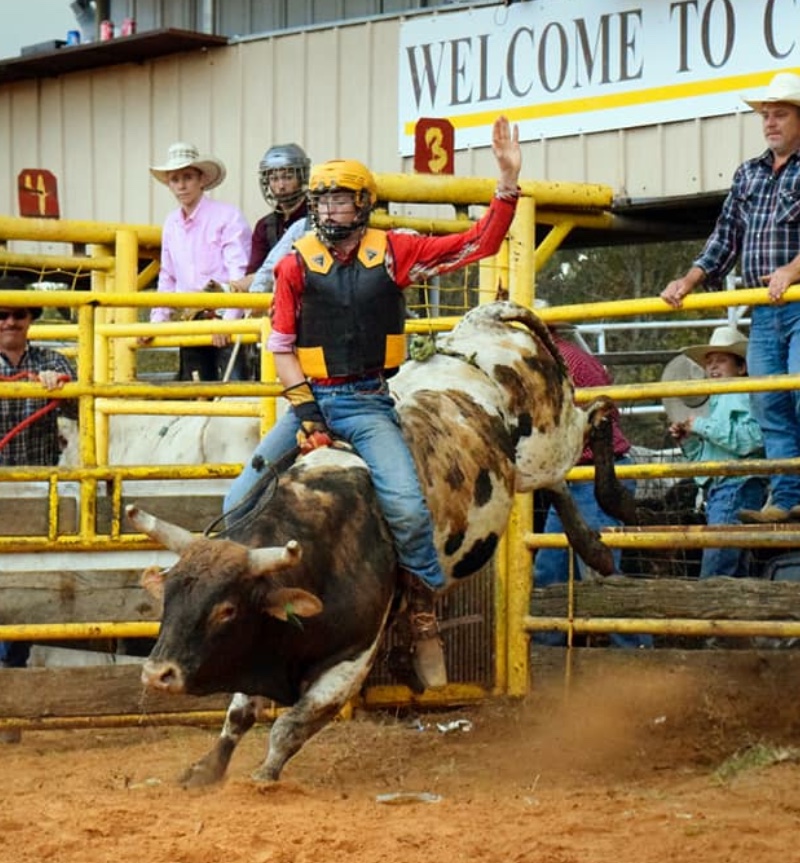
784	87
182	155
727	340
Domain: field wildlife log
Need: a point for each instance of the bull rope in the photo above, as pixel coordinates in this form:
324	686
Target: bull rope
254	502
36	415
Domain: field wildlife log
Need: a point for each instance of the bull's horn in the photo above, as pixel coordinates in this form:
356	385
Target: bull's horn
266	560
169	535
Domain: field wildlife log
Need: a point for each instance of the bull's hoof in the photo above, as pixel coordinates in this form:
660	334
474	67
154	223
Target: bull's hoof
201	775
265	775
599	411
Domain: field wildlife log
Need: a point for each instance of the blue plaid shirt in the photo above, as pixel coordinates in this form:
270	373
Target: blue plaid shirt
38	443
759	222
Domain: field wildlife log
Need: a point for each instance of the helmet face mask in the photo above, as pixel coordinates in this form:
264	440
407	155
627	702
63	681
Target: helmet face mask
287	160
342	175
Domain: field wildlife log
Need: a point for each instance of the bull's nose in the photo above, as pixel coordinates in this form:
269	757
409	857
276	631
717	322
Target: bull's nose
164	676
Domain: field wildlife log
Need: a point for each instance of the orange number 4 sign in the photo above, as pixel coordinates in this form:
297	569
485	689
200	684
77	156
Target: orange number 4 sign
38	193
434	144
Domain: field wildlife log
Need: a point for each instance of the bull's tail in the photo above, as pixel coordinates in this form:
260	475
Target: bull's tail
507	311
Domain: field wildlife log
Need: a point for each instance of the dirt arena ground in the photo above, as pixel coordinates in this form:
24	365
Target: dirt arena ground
631	766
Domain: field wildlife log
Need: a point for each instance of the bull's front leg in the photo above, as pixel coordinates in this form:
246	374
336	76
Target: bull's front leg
211	768
318	705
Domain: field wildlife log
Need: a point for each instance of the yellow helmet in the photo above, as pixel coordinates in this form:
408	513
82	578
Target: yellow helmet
341	175
344	174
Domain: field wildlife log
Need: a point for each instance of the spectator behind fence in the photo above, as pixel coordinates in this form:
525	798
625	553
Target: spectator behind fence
551	565
760	225
729	431
283	177
205	245
37	443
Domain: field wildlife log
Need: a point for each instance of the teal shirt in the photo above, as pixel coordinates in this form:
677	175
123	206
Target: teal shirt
728	432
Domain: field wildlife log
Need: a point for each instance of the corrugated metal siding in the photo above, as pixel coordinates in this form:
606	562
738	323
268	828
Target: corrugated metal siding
334	91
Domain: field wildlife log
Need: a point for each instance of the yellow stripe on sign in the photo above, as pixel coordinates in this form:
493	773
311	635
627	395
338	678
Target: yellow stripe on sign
667	93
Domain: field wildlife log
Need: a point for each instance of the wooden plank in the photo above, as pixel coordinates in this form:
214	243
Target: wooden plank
195	512
701	599
74	597
93	691
29	516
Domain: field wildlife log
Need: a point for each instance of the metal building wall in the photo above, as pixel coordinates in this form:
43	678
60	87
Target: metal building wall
332	90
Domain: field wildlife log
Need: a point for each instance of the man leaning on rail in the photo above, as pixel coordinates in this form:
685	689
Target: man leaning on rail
760	225
28	427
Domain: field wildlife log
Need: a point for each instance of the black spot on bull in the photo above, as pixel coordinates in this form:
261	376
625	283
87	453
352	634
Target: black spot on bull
480	553
483	488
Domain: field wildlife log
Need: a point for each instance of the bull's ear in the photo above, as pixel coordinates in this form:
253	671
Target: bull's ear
287	602
152	581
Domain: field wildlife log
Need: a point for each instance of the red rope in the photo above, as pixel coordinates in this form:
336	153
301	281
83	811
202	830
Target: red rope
51	405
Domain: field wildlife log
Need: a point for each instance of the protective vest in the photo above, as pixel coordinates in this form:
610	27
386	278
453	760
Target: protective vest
353	316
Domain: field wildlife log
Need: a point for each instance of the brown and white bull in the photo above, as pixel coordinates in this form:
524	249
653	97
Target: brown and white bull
291	604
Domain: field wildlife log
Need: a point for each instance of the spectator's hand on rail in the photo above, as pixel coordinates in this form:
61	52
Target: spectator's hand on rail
51	380
675	291
241	286
779	280
220	340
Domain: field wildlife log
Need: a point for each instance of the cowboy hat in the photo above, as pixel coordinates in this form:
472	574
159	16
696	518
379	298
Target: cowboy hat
15	283
784	87
182	155
726	340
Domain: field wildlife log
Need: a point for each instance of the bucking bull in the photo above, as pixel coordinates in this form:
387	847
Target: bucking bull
291	604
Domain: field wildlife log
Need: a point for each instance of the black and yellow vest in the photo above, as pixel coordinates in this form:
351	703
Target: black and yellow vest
353	316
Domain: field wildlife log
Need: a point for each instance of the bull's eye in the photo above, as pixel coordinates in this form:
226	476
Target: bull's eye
222	613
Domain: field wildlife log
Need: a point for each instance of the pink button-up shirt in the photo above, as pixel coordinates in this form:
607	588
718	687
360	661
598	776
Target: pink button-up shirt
212	243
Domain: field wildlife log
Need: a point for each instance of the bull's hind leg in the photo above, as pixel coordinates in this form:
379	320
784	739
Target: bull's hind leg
211	768
582	538
611	494
320	703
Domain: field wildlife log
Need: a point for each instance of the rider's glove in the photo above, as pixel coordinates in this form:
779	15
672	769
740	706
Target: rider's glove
313	433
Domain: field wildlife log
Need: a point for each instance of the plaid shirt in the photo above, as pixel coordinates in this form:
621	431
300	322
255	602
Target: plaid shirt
759	222
38	443
587	371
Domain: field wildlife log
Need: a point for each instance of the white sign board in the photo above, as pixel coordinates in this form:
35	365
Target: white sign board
565	67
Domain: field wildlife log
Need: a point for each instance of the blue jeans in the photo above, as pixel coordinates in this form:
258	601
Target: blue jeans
724	499
363	413
551	565
774	348
14	654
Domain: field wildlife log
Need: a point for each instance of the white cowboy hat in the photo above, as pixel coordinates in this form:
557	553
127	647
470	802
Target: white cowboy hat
182	155
784	87
727	340
680	408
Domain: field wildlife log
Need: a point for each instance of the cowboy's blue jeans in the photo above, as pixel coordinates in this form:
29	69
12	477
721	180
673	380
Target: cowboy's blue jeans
551	565
774	348
723	501
14	654
363	413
